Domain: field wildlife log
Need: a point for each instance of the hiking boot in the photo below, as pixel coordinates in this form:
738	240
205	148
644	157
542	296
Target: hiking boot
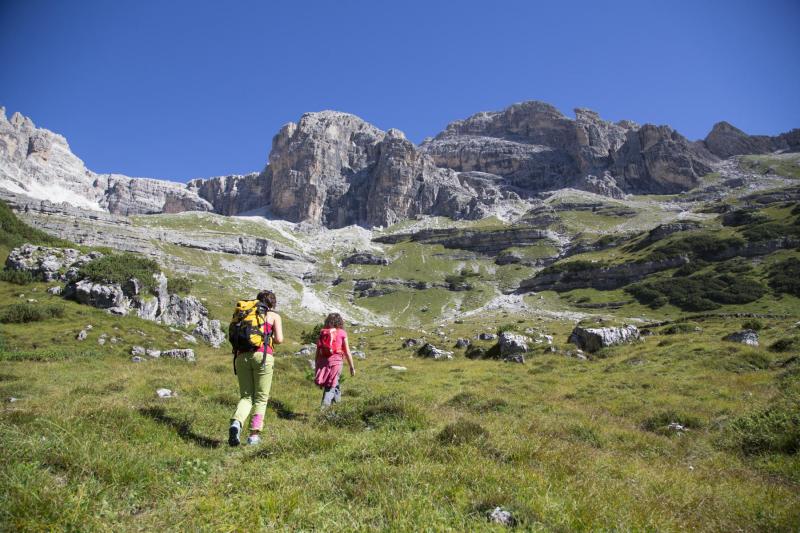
252	440
233	433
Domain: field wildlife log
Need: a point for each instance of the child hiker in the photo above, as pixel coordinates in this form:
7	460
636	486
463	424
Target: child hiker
331	346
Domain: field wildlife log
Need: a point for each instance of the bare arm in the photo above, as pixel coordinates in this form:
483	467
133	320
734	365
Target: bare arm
349	357
277	330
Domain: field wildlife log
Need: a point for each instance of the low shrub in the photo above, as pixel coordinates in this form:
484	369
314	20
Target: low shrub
753	323
506	327
18	277
462	432
14	232
703	246
768	231
311	336
121	268
701	292
681	327
179	285
784	276
23	313
775	429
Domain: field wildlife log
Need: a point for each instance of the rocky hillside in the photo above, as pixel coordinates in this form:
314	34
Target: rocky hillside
334	169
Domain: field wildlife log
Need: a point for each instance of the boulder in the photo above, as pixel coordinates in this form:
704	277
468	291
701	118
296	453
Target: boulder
82	334
55	291
463	343
487	336
410	343
358	354
100	295
365	258
155	354
210	331
512	344
138	350
431	351
592	339
746	336
185	354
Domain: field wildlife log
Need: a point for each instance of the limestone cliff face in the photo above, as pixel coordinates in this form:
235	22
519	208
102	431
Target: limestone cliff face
726	140
537	148
336	169
236	194
39	164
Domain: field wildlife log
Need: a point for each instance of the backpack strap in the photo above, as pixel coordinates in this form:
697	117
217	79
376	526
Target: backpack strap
267	340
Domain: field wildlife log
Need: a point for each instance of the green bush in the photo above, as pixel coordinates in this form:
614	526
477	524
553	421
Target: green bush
506	327
753	323
682	327
22	313
768	231
121	268
775	429
701	292
311	336
703	246
784	276
179	285
19	277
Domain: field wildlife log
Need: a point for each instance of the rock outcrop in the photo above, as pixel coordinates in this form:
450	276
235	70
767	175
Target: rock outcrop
235	194
726	140
49	263
536	148
336	169
592	339
62	264
39	164
513	344
746	336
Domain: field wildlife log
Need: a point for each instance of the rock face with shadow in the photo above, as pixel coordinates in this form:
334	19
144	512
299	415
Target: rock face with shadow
535	147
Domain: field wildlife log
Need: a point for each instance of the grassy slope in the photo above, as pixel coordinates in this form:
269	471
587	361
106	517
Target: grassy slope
92	448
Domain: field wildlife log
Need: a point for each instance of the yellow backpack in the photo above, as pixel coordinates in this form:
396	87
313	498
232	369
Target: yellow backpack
246	330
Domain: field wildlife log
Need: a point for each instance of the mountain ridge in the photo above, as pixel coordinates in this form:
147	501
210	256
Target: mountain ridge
335	169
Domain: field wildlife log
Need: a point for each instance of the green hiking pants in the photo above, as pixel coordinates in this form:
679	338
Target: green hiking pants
254	384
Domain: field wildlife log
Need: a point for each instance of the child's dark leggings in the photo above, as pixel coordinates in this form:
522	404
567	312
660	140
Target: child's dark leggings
331	394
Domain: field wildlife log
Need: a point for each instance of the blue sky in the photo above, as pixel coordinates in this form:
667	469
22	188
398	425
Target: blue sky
184	89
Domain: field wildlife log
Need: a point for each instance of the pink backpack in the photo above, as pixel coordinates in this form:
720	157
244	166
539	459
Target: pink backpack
329	342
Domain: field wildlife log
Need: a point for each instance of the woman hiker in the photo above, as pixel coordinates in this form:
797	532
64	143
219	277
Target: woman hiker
331	347
254	370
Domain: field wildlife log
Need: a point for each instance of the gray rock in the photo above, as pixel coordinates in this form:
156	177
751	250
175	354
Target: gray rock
364	258
398	368
189	339
210	331
498	515
592	339
118	311
312	364
410	343
358	354
55	291
165	393
138	350
487	336
82	334
306	351
155	354
12	399
463	343
185	354
431	351
518	358
137	359
47	263
746	336
512	344
98	295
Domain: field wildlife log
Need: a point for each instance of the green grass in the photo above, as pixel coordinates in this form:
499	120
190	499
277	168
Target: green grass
787	165
563	444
